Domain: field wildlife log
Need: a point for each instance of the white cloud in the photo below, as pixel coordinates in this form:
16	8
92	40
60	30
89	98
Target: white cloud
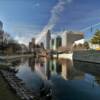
25	39
55	16
69	1
22	40
37	4
24	33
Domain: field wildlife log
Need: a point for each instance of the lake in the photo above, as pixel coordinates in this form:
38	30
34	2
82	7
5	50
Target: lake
70	80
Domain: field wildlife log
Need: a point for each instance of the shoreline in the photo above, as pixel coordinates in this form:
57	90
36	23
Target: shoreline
5	91
15	56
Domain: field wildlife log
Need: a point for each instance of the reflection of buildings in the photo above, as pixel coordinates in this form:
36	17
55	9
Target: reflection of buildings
52	68
55	67
86	67
46	68
31	63
97	79
66	68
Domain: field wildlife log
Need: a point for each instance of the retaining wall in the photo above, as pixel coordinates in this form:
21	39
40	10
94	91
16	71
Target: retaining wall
87	55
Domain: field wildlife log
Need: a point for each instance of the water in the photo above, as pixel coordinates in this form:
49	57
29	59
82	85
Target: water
70	80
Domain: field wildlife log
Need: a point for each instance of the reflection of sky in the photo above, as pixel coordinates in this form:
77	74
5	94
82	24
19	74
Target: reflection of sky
31	79
89	78
40	71
80	83
28	17
56	68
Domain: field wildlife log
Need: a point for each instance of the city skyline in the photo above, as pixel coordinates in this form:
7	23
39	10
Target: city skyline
27	18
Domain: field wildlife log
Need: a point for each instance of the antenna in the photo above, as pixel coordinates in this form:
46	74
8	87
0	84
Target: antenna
91	29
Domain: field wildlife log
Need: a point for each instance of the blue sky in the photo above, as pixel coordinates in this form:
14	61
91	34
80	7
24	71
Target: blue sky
26	18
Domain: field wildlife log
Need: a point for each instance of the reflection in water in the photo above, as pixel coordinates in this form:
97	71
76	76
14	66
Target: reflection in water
31	63
57	67
37	70
34	71
92	70
68	70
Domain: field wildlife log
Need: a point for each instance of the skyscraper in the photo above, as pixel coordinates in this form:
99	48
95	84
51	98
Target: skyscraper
1	26
48	39
58	42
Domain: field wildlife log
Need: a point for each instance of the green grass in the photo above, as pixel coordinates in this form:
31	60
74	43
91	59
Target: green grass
3	66
5	92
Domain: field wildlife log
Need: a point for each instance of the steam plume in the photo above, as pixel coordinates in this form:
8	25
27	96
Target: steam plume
55	15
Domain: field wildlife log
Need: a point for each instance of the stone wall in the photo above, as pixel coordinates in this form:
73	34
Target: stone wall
87	55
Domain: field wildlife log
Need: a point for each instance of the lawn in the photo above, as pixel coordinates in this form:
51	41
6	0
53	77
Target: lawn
5	92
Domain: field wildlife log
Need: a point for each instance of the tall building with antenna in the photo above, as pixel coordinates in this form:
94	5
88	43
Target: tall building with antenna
48	39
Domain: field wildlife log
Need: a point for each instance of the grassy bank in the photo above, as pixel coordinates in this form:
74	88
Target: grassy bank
2	66
5	92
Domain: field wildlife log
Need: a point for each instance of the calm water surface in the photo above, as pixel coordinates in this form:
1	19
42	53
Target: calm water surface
70	80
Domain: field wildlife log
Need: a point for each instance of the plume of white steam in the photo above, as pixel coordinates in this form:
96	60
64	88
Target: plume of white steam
55	15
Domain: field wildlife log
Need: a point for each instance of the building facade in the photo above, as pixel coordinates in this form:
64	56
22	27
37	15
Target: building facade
53	44
58	42
68	38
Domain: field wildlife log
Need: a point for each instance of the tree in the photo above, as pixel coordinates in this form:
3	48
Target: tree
96	38
86	45
75	46
80	45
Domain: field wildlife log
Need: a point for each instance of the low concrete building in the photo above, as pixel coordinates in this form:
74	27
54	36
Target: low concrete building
68	38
